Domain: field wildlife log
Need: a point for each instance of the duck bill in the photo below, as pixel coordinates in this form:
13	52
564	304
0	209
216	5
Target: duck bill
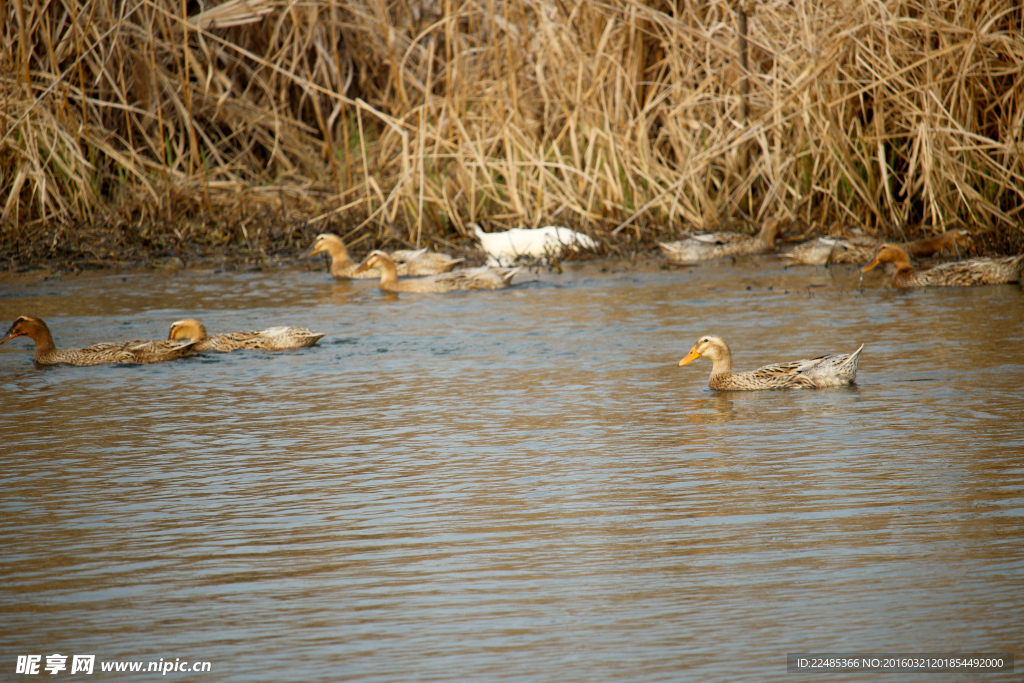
871	265
309	252
11	334
360	268
690	357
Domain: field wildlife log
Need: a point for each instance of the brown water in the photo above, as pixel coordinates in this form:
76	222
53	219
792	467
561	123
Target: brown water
518	485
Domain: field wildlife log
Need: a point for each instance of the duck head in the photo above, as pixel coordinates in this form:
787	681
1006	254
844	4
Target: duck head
328	242
33	328
889	253
374	259
187	329
709	346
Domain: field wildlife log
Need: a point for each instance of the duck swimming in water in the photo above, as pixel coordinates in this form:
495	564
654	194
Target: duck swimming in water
137	351
457	280
835	370
418	262
972	273
272	339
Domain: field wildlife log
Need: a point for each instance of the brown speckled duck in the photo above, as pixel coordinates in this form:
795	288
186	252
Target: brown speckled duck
457	280
832	250
723	244
835	370
272	339
137	351
972	273
418	262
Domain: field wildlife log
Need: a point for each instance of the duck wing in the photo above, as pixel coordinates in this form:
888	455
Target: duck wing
975	272
155	351
836	369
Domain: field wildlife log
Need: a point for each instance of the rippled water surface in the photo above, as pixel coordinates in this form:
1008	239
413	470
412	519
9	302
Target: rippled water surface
518	485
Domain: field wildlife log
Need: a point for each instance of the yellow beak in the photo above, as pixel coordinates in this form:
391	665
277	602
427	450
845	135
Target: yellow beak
690	357
309	252
361	267
870	265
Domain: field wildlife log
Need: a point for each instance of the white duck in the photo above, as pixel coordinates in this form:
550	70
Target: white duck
503	248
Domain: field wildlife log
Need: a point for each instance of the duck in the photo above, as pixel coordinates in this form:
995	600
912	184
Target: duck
710	246
824	250
137	351
503	248
272	339
834	370
951	240
859	249
460	279
408	262
972	273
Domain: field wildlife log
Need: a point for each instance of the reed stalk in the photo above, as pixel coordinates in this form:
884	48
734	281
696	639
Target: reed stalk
649	115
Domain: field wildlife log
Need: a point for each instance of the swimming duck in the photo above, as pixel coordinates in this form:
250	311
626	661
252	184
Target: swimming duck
418	262
272	339
835	370
716	245
503	248
982	271
461	279
137	351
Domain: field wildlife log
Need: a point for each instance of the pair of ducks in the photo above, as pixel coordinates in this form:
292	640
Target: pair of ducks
186	337
970	273
436	271
826	250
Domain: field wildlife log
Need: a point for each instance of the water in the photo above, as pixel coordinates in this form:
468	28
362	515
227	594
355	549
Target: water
514	486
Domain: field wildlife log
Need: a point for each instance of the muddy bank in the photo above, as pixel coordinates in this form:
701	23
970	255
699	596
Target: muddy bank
232	243
269	238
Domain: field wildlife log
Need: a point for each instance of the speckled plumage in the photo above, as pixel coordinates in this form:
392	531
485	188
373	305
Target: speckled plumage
717	245
407	262
832	250
272	339
859	249
135	351
834	370
457	280
972	273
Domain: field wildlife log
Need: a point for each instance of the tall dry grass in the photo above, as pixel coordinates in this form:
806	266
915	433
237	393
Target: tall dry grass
415	117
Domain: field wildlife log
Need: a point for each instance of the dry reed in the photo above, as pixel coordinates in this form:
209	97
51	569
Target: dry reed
415	117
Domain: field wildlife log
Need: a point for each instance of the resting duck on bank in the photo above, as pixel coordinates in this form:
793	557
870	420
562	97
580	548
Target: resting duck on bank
832	250
503	248
137	351
273	339
975	272
723	244
859	249
836	370
951	241
418	262
461	279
